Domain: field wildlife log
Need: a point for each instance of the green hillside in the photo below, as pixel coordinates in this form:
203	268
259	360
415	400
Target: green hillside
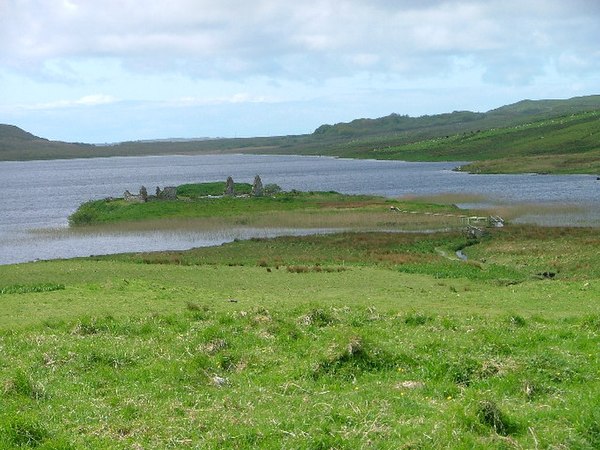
531	135
19	145
415	128
573	138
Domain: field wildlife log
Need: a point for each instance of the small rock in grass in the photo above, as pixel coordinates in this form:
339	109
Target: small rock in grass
410	384
219	381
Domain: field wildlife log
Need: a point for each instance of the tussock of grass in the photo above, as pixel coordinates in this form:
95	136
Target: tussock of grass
18	432
352	359
489	414
24	289
22	385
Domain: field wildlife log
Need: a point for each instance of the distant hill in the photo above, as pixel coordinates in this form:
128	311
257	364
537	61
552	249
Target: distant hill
548	133
12	133
18	145
460	121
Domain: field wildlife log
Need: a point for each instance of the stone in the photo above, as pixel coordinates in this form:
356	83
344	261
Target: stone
495	221
168	193
143	194
410	384
229	187
473	232
257	187
129	197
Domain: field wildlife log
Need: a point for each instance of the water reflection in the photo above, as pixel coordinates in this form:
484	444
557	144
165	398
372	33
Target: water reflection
64	243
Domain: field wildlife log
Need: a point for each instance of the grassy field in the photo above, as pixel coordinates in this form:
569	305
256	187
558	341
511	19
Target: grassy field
353	340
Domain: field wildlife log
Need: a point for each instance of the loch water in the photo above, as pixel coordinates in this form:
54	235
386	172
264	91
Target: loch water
37	197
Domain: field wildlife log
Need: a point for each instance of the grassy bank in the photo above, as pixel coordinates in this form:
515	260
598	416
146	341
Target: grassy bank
343	341
283	209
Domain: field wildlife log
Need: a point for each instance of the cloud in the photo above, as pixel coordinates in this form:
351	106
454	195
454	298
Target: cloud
110	69
238	98
85	101
312	39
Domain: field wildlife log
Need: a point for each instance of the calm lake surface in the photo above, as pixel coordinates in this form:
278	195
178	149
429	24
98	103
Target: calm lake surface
38	196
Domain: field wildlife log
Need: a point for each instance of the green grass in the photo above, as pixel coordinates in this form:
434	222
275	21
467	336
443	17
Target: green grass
342	341
312	209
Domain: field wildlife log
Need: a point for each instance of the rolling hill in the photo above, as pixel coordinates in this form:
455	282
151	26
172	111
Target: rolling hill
19	145
530	135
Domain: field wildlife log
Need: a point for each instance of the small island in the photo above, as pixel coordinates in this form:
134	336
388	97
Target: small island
227	204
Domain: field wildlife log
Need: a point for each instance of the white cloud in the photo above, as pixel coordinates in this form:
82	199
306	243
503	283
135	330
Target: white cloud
86	101
241	97
312	38
172	63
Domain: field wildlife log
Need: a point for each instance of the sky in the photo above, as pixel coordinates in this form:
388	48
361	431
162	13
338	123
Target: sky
101	71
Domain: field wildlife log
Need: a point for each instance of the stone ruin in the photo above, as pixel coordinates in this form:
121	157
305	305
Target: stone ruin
168	193
144	194
229	187
257	187
135	198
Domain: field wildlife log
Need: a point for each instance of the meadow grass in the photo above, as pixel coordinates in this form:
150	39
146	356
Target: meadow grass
340	341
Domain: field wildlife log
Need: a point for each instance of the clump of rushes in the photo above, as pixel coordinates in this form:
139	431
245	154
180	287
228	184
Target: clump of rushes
490	414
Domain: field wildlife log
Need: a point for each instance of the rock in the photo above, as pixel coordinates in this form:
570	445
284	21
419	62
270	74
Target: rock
229	187
410	384
473	232
219	381
495	221
129	197
549	275
257	187
168	193
143	194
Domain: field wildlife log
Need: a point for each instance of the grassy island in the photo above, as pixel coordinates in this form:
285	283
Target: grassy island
204	205
348	340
